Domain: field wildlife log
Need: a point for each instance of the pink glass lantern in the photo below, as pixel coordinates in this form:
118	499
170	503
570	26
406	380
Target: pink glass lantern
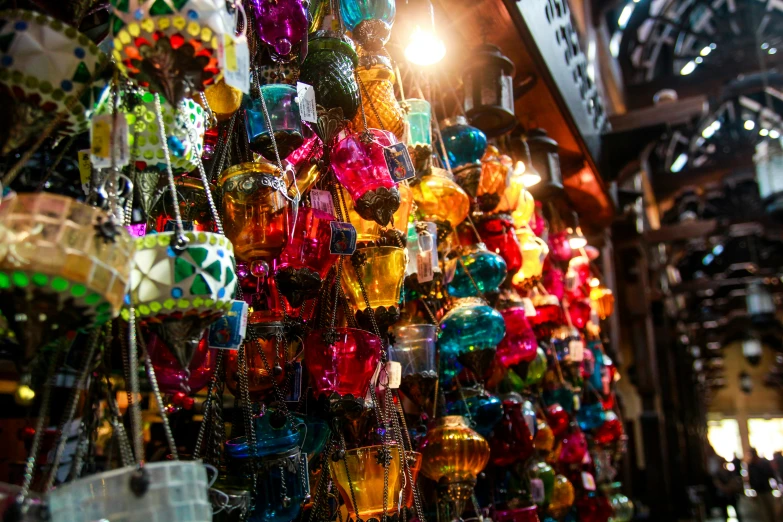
511	440
573	447
362	170
557	418
519	344
280	24
537	223
524	514
559	248
306	259
579	312
169	373
549	314
344	367
499	236
553	280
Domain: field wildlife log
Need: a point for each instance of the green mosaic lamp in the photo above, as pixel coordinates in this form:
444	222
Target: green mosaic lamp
59	270
179	294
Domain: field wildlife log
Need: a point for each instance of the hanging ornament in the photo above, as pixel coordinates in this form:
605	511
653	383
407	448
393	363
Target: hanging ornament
48	72
534	251
544	441
193	207
414	348
453	455
602	300
223	100
545	161
495	169
380	108
370	22
481	407
171	377
549	315
562	497
622	506
573	447
476	271
542	471
169	46
281	24
178	293
470	331
277	102
419	119
536	369
64	266
306	259
370	230
523	514
590	416
465	146
378	274
361	168
524	209
498	234
519	344
489	90
255	210
610	431
511	440
329	68
439	199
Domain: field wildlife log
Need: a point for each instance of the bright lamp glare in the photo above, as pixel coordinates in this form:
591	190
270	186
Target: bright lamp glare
705	50
530	178
749	125
679	163
424	48
764	132
577	242
774	134
625	15
688	68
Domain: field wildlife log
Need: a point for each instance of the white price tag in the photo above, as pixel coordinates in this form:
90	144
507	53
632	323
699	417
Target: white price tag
537	492
322	200
306	98
588	482
106	140
234	60
85	169
577	350
424	266
393	374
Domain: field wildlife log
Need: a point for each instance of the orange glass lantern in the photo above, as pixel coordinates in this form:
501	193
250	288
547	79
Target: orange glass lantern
562	497
381	109
534	252
254	209
440	199
193	207
602	301
223	100
544	439
360	477
381	275
454	455
367	230
492	183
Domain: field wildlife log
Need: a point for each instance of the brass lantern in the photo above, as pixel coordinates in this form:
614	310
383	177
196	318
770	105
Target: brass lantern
453	455
546	162
489	91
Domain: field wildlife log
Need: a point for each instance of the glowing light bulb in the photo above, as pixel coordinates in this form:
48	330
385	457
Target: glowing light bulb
424	48
749	125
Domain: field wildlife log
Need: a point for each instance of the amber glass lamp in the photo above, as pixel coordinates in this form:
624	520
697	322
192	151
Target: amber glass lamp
492	183
453	455
602	301
381	108
369	230
381	276
439	199
534	252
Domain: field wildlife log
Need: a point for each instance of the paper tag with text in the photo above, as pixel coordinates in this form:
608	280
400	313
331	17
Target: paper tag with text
322	200
228	332
577	350
393	374
343	239
85	169
399	162
234	60
537	493
424	272
101	134
305	95
588	482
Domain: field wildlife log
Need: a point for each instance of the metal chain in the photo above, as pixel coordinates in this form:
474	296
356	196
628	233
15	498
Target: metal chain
153	379
70	408
244	392
208	404
203	174
118	428
414	487
226	145
180	239
348	476
133	360
268	121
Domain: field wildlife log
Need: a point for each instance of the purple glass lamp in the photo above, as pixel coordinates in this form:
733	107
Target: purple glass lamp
281	24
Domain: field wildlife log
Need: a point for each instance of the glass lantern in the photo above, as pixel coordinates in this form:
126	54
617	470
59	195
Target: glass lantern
477	271
381	276
286	123
344	367
193	207
414	348
440	200
381	108
495	169
255	210
369	230
489	90
545	161
498	234
281	24
470	332
329	68
465	146
369	21
519	344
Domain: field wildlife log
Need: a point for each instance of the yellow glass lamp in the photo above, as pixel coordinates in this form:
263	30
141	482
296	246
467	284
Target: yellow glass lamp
602	300
454	454
381	275
534	252
376	84
524	208
439	199
562	497
492	182
360	476
370	230
223	99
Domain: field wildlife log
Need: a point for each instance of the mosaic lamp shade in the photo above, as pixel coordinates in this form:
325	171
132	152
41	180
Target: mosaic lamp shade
178	295
47	70
177	492
57	274
169	46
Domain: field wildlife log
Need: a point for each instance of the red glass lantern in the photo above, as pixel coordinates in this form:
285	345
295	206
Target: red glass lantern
549	315
361	168
573	447
557	418
169	373
511	440
344	367
579	312
306	258
594	507
610	431
553	280
519	344
499	236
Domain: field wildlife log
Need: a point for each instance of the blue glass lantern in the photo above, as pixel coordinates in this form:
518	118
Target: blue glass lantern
471	331
484	409
465	146
369	21
591	416
598	357
283	110
476	272
562	396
